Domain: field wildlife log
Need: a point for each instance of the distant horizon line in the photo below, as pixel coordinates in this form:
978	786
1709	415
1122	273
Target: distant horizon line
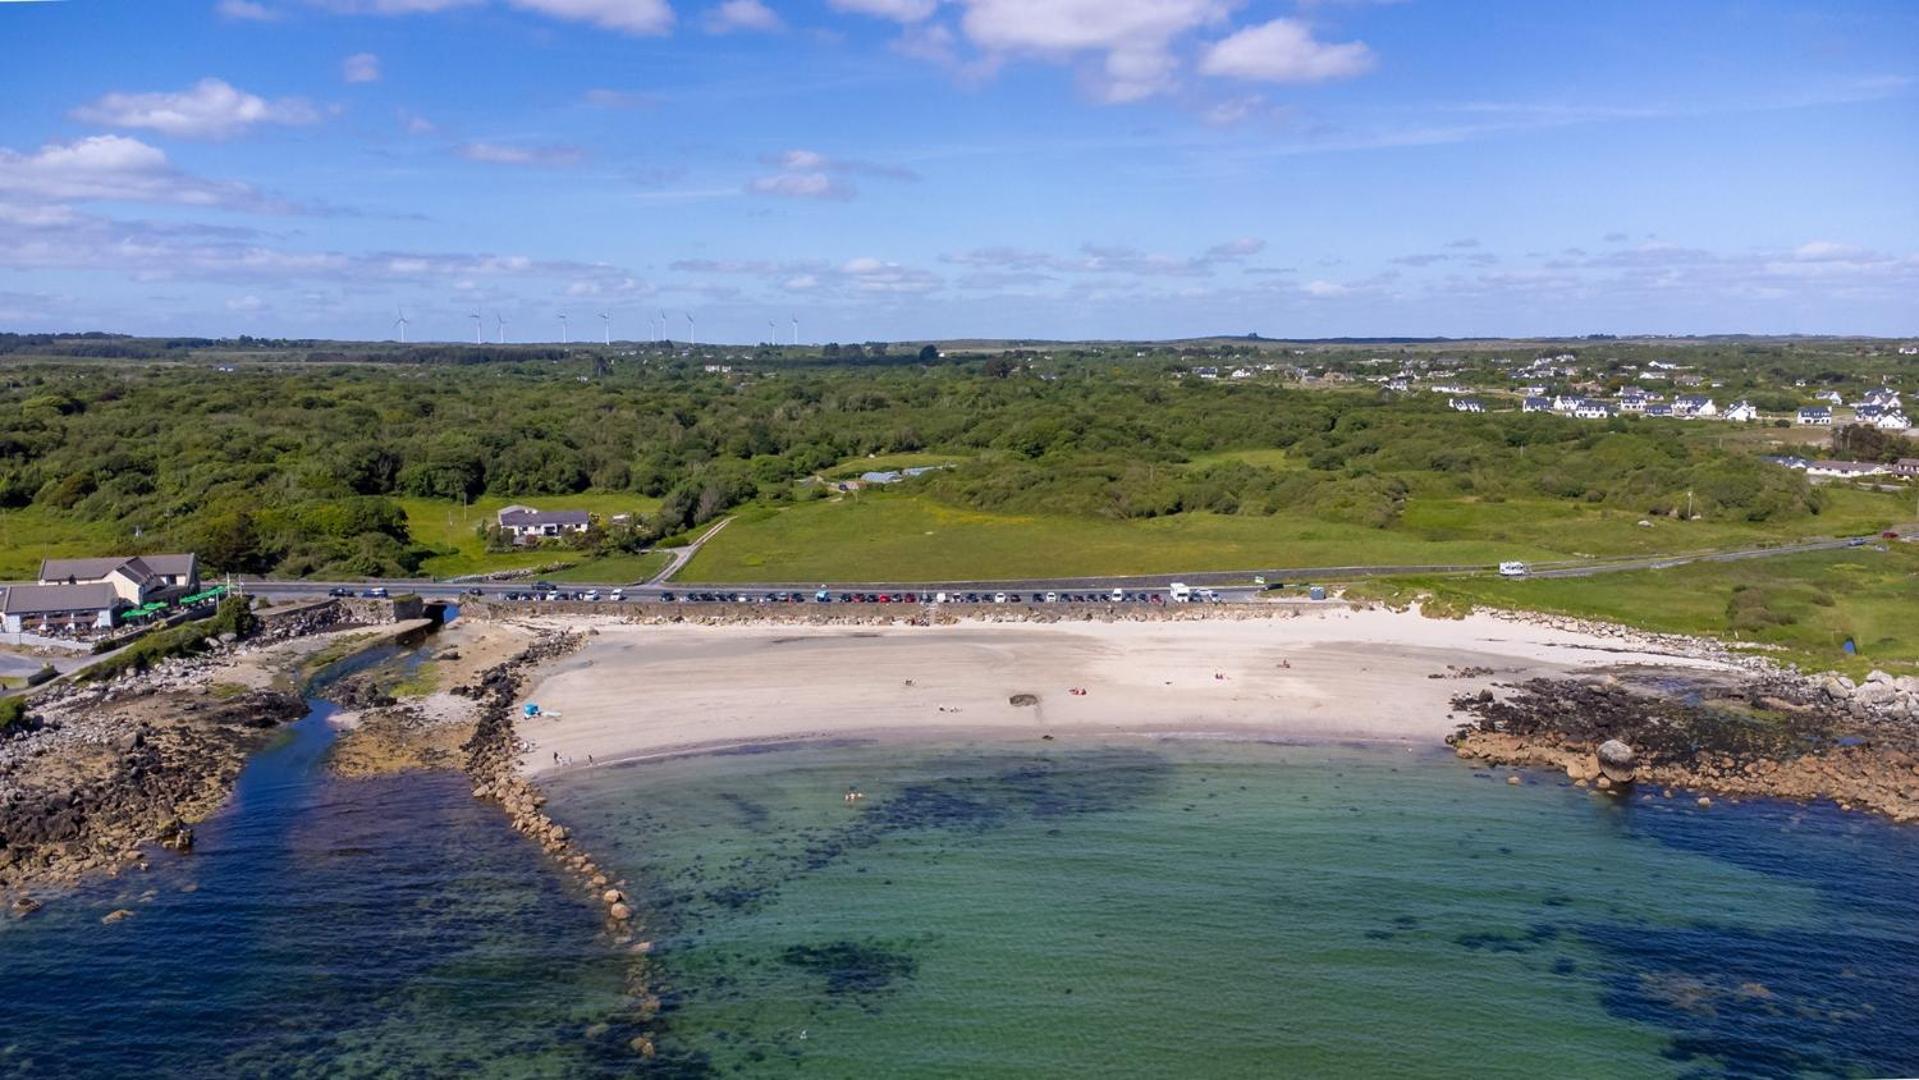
1383	339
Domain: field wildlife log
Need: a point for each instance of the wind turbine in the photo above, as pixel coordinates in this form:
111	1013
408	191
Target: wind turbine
401	323
796	330
479	326
664	339
606	327
692	339
563	337
500	322
772	332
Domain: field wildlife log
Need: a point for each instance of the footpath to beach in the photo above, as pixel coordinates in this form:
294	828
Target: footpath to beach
645	690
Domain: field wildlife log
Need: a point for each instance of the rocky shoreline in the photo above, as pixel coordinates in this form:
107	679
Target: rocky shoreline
1775	734
107	770
110	771
492	764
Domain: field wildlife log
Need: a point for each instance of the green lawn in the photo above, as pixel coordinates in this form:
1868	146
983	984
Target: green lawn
31	534
902	537
614	569
852	467
451	530
1864	594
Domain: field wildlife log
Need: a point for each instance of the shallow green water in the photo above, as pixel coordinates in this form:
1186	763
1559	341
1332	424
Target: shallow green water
1206	909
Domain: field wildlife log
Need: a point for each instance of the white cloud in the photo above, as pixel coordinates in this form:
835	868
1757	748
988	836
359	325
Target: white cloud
802	185
496	153
906	11
1285	51
1827	251
115	168
360	68
602	98
743	15
210	109
1109	259
1242	248
809	174
1324	289
1136	36
626	16
246	303
413	123
245	10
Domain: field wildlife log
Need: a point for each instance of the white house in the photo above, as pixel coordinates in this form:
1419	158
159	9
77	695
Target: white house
1845	470
1632	403
1659	412
1593	409
529	526
1742	412
1566	403
1465	404
133	578
1830	397
1893	420
89	606
1815	414
1694	405
1536	404
1883	396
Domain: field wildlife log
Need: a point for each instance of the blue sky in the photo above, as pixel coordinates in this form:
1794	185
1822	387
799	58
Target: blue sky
902	169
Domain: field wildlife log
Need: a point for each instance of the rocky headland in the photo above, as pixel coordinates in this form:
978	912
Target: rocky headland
1772	734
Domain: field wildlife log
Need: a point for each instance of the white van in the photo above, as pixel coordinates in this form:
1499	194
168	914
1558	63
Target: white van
939	598
1180	592
999	598
1512	569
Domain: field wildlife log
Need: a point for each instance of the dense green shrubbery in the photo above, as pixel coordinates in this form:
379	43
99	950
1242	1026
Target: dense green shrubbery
13	715
295	469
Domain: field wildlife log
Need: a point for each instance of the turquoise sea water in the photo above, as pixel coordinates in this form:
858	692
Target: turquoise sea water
1133	909
1209	909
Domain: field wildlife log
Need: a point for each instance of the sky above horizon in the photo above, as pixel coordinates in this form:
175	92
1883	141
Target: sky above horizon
927	169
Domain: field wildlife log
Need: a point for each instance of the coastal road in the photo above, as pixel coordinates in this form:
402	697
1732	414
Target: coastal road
1232	585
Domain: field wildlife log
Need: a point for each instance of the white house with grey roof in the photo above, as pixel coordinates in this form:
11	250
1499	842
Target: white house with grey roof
527	525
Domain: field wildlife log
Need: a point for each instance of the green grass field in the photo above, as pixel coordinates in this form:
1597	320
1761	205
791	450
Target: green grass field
451	530
903	537
853	467
1864	594
613	570
29	535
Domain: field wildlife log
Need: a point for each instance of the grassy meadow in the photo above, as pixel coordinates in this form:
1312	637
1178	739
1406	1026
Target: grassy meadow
452	531
1803	607
901	536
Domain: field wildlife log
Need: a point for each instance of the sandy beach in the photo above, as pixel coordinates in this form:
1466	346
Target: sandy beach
640	691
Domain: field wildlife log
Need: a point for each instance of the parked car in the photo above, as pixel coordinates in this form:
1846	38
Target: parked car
339	591
545	586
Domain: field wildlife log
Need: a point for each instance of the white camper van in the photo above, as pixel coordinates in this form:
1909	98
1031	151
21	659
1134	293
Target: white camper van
1180	592
1512	569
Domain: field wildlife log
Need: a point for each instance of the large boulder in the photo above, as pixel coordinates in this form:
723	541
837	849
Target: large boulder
1617	762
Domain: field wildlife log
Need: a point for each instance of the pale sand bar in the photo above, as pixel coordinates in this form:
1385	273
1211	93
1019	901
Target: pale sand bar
640	691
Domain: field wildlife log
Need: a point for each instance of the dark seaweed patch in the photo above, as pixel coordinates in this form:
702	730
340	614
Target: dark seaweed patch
1749	1002
850	967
